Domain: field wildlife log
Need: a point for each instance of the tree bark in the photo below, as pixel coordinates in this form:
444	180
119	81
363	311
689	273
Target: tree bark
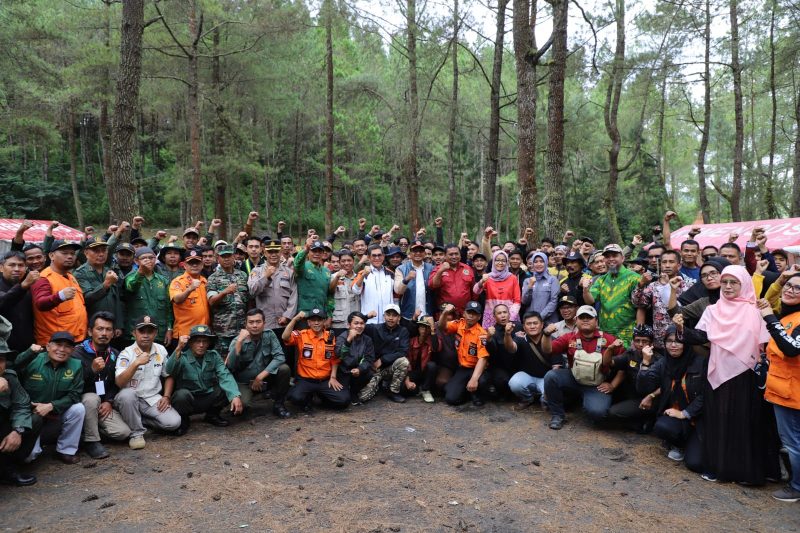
769	191
451	132
103	125
736	189
490	187
122	195
706	131
218	138
73	167
553	202
610	112
412	179
527	60
328	14
796	165
193	114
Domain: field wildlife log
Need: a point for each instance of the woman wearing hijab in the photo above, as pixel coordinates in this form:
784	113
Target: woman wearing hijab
501	287
783	379
703	294
676	383
541	290
739	428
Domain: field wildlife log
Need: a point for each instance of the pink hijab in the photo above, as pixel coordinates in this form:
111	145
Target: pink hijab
735	330
499	275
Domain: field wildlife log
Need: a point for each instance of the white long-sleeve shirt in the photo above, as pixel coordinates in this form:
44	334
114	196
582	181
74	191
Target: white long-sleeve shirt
377	291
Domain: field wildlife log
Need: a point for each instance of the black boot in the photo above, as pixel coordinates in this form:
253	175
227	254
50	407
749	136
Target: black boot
279	410
12	477
214	419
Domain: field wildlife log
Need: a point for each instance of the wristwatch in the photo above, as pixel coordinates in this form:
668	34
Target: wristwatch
20	430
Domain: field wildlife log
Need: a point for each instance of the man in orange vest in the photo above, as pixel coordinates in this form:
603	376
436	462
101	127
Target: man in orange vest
57	298
188	294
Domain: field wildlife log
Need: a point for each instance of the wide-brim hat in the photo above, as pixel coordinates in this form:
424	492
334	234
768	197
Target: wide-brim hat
203	331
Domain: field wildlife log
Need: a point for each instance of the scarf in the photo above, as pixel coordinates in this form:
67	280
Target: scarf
499	275
735	330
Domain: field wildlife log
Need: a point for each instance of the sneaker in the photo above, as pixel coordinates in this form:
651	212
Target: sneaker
136	443
427	396
787	494
557	422
709	477
95	450
676	454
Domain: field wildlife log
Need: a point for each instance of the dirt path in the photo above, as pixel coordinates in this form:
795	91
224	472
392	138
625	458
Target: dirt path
385	467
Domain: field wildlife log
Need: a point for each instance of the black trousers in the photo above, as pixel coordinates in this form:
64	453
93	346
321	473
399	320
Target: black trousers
499	378
682	434
305	389
455	392
8	461
188	403
424	378
354	383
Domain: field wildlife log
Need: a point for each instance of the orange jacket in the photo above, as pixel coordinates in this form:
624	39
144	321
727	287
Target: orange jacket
66	316
783	379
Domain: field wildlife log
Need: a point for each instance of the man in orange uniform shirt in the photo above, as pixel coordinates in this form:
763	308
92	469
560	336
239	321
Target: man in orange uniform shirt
188	295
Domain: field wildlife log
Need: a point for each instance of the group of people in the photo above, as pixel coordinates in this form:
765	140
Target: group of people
105	337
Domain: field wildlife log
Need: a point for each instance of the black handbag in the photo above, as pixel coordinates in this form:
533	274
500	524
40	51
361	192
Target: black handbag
761	369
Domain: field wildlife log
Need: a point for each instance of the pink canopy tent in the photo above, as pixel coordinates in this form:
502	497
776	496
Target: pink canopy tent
9	226
781	233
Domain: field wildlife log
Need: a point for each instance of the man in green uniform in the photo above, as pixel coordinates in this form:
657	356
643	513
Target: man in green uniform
147	294
17	434
100	285
313	279
613	292
256	357
227	296
202	382
54	381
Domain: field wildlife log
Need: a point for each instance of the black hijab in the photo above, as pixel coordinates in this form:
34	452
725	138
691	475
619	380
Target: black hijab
698	290
676	368
786	309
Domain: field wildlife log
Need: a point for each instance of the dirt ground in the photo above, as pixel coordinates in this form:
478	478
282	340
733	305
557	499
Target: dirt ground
383	467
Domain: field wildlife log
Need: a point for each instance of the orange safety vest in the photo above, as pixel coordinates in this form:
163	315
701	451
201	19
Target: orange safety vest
67	316
783	378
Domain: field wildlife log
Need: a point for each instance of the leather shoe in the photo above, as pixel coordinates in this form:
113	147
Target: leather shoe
396	397
477	401
280	410
16	478
95	450
184	427
216	420
557	422
68	459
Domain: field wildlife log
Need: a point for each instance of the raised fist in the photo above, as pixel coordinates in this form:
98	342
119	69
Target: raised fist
669	215
438	222
252	215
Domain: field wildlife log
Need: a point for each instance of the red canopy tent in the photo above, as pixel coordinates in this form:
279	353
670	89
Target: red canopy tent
781	233
9	226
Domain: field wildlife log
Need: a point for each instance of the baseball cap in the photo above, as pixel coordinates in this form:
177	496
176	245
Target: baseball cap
125	247
193	255
60	244
575	257
438	247
478	254
566	300
316	245
241	248
317	312
612	249
392	307
191	230
139	240
423	319
201	331
595	256
587	239
226	249
91	242
220	242
417	244
395	250
60	336
142	251
587	310
475	307
144	322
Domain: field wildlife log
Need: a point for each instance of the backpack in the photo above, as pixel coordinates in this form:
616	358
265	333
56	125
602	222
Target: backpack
586	366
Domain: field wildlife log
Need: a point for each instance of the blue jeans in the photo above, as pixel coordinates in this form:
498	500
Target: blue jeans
788	420
525	386
560	380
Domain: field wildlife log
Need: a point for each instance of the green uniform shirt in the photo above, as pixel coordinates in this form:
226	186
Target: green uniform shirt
255	357
312	284
15	404
148	297
96	297
201	375
617	312
62	386
229	313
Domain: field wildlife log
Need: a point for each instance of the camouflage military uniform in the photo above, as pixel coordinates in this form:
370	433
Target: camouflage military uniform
229	314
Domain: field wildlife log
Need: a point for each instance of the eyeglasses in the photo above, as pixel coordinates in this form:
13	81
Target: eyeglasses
709	275
792	287
709	256
376	255
730	282
673	341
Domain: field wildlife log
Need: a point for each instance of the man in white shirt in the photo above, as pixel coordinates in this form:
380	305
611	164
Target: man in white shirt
139	370
375	285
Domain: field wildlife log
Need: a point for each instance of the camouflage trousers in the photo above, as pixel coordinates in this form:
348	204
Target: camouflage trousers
395	373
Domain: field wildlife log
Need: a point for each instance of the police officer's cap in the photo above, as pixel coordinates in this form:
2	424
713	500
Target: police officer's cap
474	307
193	255
62	336
317	313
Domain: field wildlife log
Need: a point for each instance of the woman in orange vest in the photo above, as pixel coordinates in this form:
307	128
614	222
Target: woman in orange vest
783	379
57	298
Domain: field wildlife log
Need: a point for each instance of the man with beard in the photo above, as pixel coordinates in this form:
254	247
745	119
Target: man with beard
613	292
571	286
57	297
15	299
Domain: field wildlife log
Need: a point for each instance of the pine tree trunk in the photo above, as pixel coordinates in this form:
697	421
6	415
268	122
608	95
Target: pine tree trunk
553	201
122	194
103	125
796	165
706	131
490	185
73	167
218	138
769	192
329	127
193	115
738	149
451	132
610	112
410	166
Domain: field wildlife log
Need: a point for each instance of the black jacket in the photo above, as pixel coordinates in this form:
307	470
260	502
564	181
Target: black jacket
17	306
390	345
650	379
358	354
84	353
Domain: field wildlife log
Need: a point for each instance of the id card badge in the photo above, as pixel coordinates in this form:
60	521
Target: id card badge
100	388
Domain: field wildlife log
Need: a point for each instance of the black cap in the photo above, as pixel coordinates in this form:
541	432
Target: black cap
171	247
317	312
59	244
140	240
144	322
478	254
417	244
575	257
193	255
438	247
125	247
91	242
475	307
60	336
567	300
316	245
587	239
